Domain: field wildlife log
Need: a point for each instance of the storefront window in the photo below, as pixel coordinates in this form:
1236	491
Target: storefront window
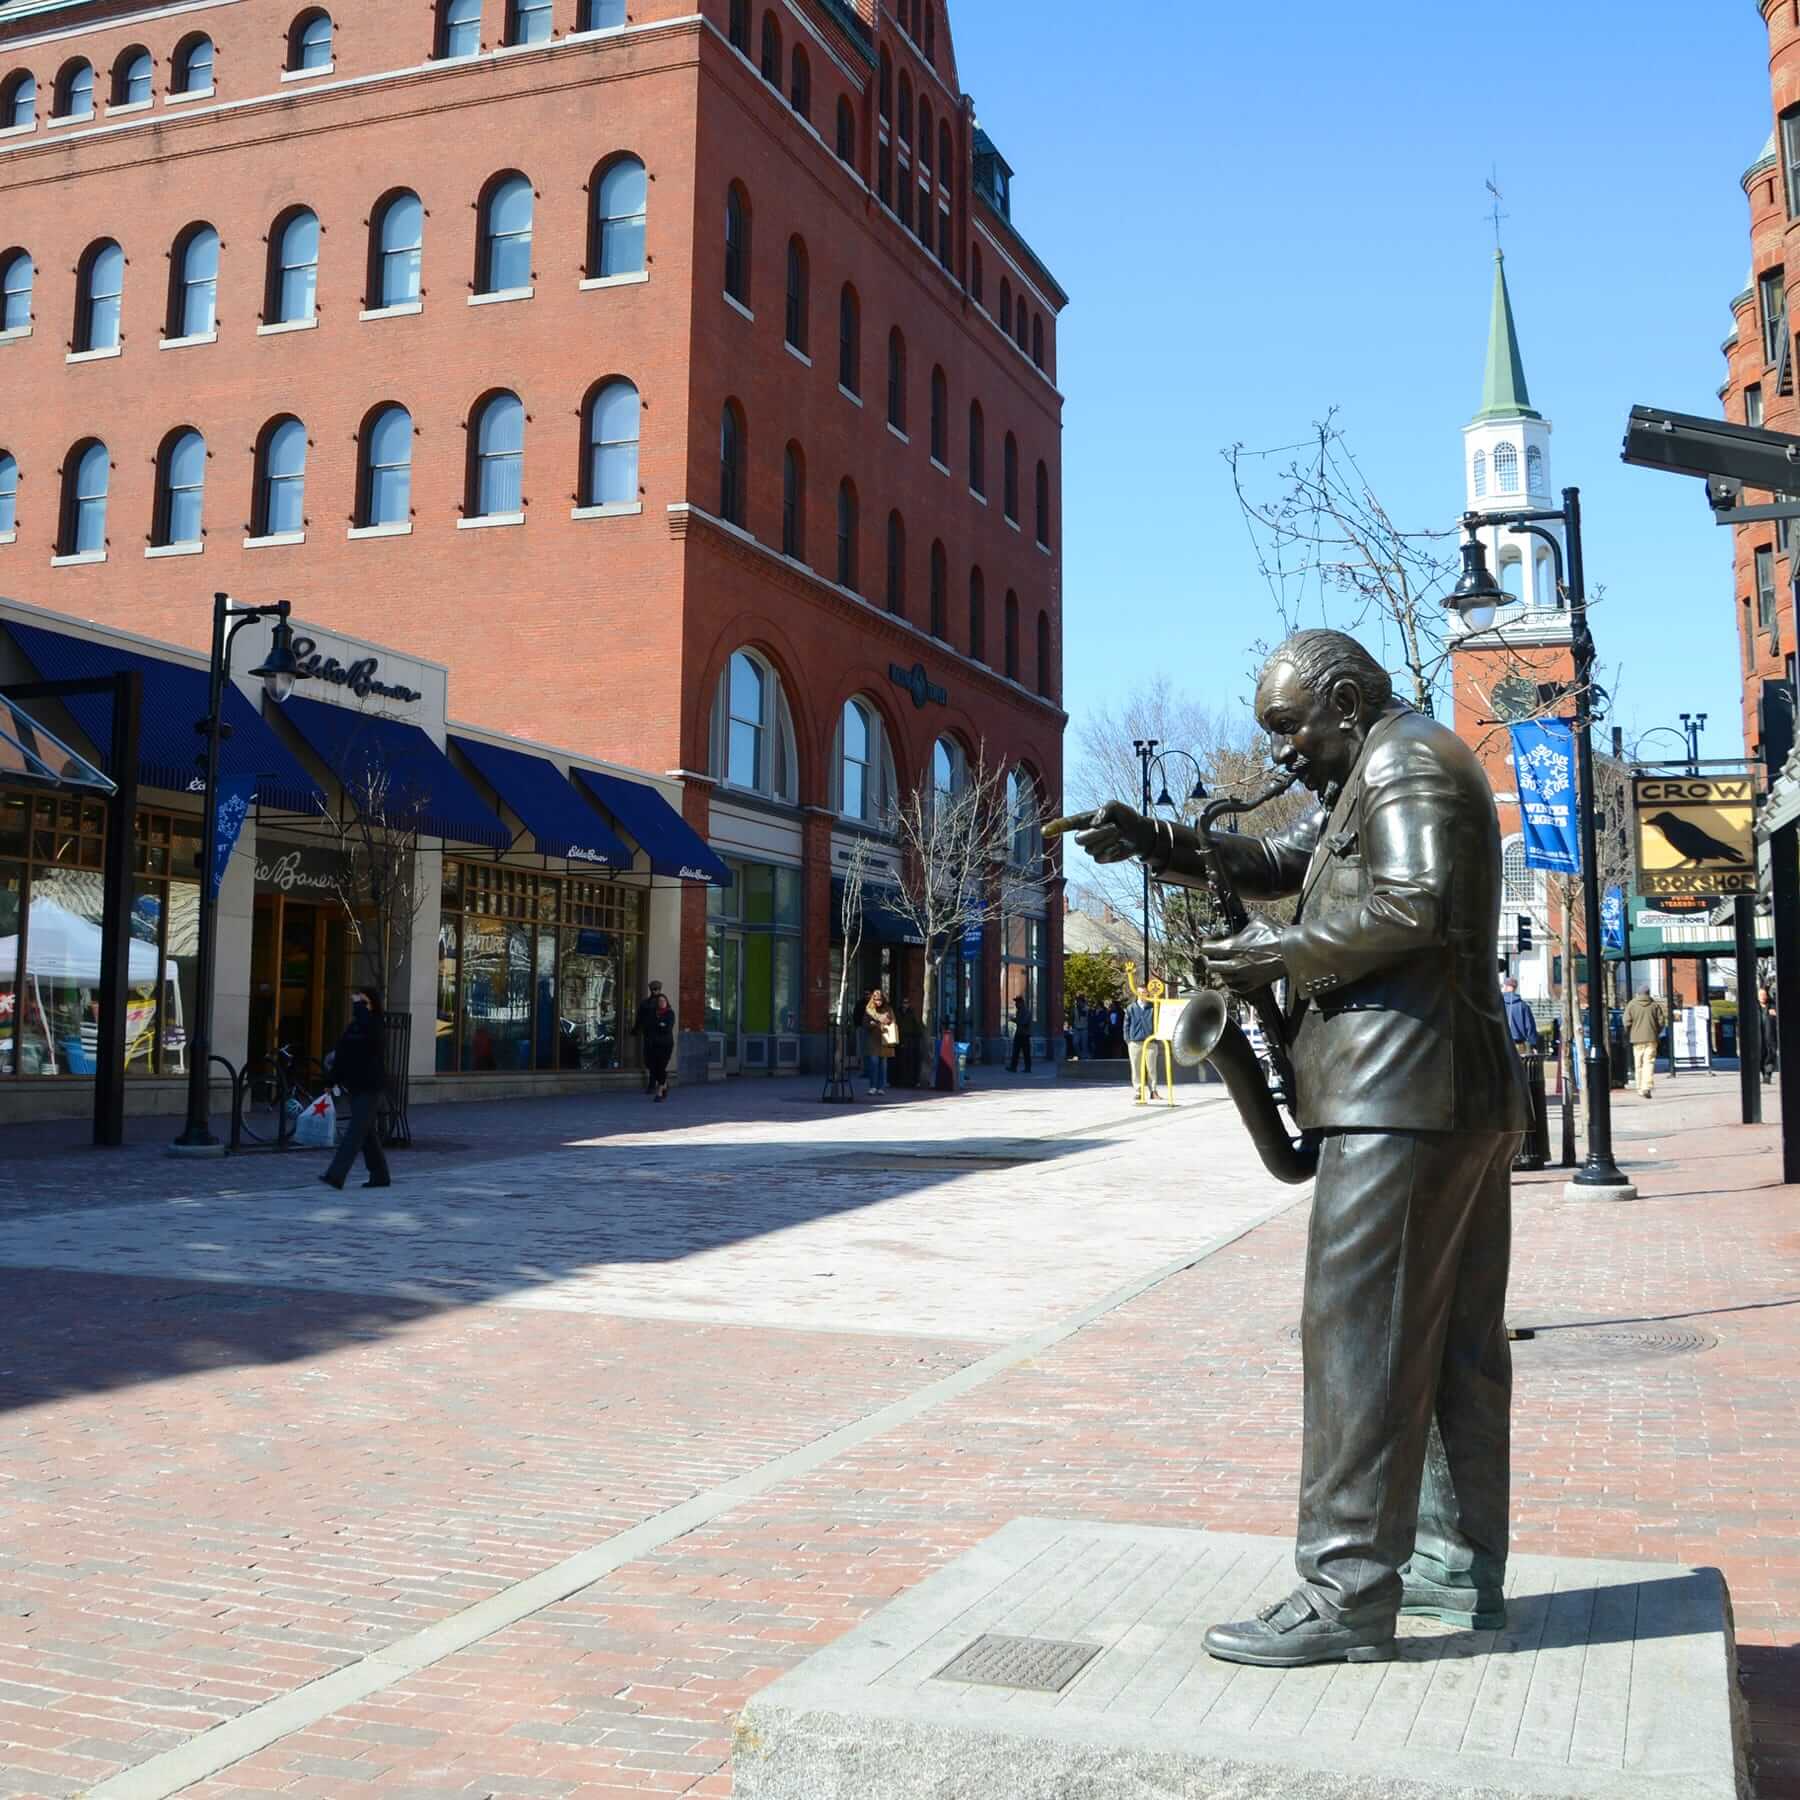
753	955
1022	969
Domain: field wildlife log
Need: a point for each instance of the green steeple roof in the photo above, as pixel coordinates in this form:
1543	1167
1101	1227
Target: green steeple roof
1504	394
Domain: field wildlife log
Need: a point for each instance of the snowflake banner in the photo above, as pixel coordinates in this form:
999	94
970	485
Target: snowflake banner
1544	762
237	794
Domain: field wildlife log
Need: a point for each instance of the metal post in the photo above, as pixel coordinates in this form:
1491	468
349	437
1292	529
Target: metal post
1599	1170
1749	1019
1784	870
115	916
1146	749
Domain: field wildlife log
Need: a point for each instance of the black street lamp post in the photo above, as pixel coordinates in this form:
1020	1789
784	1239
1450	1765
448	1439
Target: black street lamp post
1149	760
278	672
1477	596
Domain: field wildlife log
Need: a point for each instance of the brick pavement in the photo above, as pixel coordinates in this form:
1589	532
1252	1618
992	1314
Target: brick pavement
1178	1406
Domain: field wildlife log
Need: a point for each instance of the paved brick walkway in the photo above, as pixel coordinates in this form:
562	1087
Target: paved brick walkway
708	1392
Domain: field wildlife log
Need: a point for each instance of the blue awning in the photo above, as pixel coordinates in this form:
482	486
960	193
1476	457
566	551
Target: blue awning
562	822
174	702
672	844
882	924
417	782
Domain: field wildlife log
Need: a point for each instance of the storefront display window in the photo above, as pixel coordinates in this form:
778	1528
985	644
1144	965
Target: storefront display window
1022	969
753	955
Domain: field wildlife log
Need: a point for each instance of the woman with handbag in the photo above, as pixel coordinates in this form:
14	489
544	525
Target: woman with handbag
884	1037
358	1066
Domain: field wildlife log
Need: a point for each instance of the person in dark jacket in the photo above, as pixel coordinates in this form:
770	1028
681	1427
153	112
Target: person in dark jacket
1021	1036
357	1067
656	1029
1769	1038
1140	1028
1521	1021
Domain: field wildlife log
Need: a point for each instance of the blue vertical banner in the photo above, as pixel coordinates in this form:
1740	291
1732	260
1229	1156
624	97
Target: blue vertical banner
1544	763
237	794
1612	921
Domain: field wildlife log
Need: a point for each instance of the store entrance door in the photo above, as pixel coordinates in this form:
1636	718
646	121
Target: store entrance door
299	976
731	1001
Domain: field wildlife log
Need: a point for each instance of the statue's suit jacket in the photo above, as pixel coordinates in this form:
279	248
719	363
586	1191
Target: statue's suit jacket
1394	1005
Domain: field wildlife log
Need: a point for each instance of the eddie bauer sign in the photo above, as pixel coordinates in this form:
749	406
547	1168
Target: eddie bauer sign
358	677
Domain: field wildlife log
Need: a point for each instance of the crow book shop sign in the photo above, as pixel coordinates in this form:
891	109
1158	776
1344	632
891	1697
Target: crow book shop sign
1694	836
1544	763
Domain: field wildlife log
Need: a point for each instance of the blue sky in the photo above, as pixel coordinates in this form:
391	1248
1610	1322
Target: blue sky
1260	212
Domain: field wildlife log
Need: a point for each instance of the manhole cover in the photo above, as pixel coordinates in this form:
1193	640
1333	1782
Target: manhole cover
1039	1665
1597	1343
219	1302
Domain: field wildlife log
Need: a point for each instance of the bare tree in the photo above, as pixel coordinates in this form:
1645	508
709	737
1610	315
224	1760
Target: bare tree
850	920
376	876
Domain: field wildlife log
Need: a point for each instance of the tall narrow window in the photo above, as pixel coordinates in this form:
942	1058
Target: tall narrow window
903	112
504	262
601	15
16	275
309	41
1012	634
1771	295
800	83
293	269
849	341
1010	491
1790	158
1753	404
9	494
896	565
940	598
924	141
497	479
1534	471
610	469
1480	474
793	503
1506	468
194	293
459	27
180	488
1006	305
528	21
1037	339
977	616
885	89
132	76
18	101
1043	505
86	476
1765	589
896	403
977	449
771	50
931	31
1046	684
740	26
387	468
940	418
846	130
796	295
737	244
399	251
191	70
621	208
856	767
99	296
975	275
846	535
281	479
747	723
74	97
731	464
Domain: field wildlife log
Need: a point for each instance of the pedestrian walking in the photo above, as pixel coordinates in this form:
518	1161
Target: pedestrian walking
656	1031
1140	1028
1644	1022
1021	1036
1521	1021
358	1067
1769	1037
884	1038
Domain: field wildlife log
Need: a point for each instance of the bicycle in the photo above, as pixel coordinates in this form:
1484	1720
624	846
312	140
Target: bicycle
276	1091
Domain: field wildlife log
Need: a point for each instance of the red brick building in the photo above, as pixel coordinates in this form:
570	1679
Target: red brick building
670	370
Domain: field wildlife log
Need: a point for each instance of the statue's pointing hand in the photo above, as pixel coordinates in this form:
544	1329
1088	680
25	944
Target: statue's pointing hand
1109	834
1249	960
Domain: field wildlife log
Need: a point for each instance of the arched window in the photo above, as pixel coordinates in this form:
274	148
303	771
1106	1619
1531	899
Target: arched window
793	503
924	138
740	26
797	299
1043	504
1506	468
621	207
1046	684
903	113
975	275
1512	573
977	615
99	296
1006	305
731	464
1010	490
180	488
737	244
943	156
931	31
940	418
86	475
753	731
132	74
1025	819
459	28
1518	880
74	95
771	50
1543	591
1534	470
385	496
940	596
280	479
1037	339
601	15
309	40
9	494
528	21
800	83
497	470
849	341
949	768
896	405
846	130
18	101
977	450
896	565
191	67
847	522
1019	323
1012	634
864	785
885	91
293	268
611	424
398	241
16	275
1480	474
503	260
194	283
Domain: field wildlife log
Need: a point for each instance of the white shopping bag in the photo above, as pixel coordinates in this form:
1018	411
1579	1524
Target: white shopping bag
316	1128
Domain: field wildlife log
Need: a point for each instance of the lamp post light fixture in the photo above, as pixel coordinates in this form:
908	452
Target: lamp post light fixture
278	671
1149	760
1693	724
1478	598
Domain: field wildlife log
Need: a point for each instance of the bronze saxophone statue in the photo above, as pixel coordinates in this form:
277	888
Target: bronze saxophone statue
1207	1032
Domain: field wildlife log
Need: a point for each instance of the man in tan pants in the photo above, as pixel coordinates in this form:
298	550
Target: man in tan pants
1644	1022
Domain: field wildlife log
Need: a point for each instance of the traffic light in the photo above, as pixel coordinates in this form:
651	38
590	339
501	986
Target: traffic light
1524	940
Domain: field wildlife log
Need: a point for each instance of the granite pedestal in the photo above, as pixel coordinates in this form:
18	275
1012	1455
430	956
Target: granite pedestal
1063	1661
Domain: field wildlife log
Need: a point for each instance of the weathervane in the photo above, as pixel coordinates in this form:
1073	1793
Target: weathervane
1492	184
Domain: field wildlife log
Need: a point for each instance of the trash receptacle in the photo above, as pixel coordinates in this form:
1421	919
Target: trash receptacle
1534	1152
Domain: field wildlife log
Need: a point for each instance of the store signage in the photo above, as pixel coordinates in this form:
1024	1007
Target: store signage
1694	835
302	871
918	684
358	677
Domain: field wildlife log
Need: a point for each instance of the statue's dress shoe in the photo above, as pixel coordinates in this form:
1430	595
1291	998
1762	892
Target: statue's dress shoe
1291	1634
1472	1608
